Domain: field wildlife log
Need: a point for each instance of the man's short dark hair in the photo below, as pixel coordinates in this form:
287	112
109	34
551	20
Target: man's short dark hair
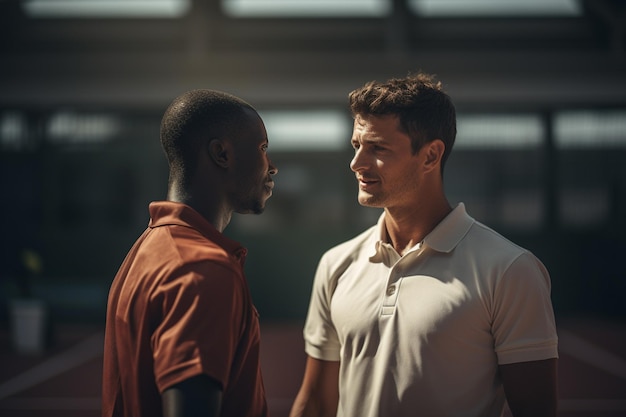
192	116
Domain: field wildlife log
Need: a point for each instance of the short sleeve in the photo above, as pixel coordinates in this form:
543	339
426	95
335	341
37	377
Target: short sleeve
200	325
523	324
320	336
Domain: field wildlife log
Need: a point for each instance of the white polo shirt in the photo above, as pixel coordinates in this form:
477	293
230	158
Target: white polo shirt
423	334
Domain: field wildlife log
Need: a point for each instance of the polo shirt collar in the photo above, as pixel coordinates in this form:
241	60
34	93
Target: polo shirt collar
443	238
169	213
450	231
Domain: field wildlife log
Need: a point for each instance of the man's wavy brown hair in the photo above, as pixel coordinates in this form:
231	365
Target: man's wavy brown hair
425	112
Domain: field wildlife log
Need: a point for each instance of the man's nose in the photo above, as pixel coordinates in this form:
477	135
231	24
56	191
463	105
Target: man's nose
272	169
357	161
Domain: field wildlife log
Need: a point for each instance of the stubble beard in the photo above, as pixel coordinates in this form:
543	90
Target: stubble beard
369	200
258	205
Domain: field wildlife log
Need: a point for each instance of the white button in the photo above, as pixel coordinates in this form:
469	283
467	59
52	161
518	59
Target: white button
391	290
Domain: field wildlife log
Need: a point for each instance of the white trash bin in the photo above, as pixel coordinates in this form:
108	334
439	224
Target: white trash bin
29	319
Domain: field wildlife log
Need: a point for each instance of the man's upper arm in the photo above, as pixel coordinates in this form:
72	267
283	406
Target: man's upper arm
319	393
531	387
196	309
197	396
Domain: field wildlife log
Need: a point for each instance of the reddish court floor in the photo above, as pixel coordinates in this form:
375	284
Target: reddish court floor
65	381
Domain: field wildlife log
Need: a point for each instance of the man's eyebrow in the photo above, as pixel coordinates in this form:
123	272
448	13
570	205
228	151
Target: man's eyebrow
373	139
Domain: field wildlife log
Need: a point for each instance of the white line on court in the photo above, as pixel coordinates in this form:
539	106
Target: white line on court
592	354
570	344
71	358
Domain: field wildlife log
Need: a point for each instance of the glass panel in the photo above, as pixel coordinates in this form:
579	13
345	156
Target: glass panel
581	207
578	129
13	131
522	208
73	128
323	130
498	131
500	187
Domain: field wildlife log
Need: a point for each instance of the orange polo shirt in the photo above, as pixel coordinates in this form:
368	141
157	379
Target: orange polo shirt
178	307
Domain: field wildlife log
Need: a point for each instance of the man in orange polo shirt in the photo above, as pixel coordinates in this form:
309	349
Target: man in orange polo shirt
182	333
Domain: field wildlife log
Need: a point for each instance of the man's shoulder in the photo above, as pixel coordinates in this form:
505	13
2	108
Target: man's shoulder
353	246
482	234
494	248
188	245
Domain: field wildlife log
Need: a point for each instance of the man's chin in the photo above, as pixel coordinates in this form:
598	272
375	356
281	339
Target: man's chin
258	208
368	201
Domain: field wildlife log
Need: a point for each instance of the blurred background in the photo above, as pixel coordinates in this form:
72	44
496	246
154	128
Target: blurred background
540	90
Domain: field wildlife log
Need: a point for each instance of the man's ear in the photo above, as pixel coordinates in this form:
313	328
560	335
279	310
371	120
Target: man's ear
433	153
219	152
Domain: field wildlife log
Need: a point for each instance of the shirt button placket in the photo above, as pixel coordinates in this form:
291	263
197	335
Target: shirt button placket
391	293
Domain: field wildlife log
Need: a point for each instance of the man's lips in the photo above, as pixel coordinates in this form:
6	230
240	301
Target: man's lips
365	182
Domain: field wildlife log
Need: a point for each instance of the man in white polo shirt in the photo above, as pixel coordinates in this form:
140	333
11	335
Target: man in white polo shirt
428	313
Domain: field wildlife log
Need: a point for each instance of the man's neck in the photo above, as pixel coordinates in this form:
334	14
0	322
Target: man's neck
407	228
209	208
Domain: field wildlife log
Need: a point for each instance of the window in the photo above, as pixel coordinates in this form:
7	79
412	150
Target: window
499	131
13	131
302	130
584	129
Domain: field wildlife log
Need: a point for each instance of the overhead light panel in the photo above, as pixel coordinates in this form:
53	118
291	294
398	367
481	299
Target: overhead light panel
495	8
306	8
106	8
